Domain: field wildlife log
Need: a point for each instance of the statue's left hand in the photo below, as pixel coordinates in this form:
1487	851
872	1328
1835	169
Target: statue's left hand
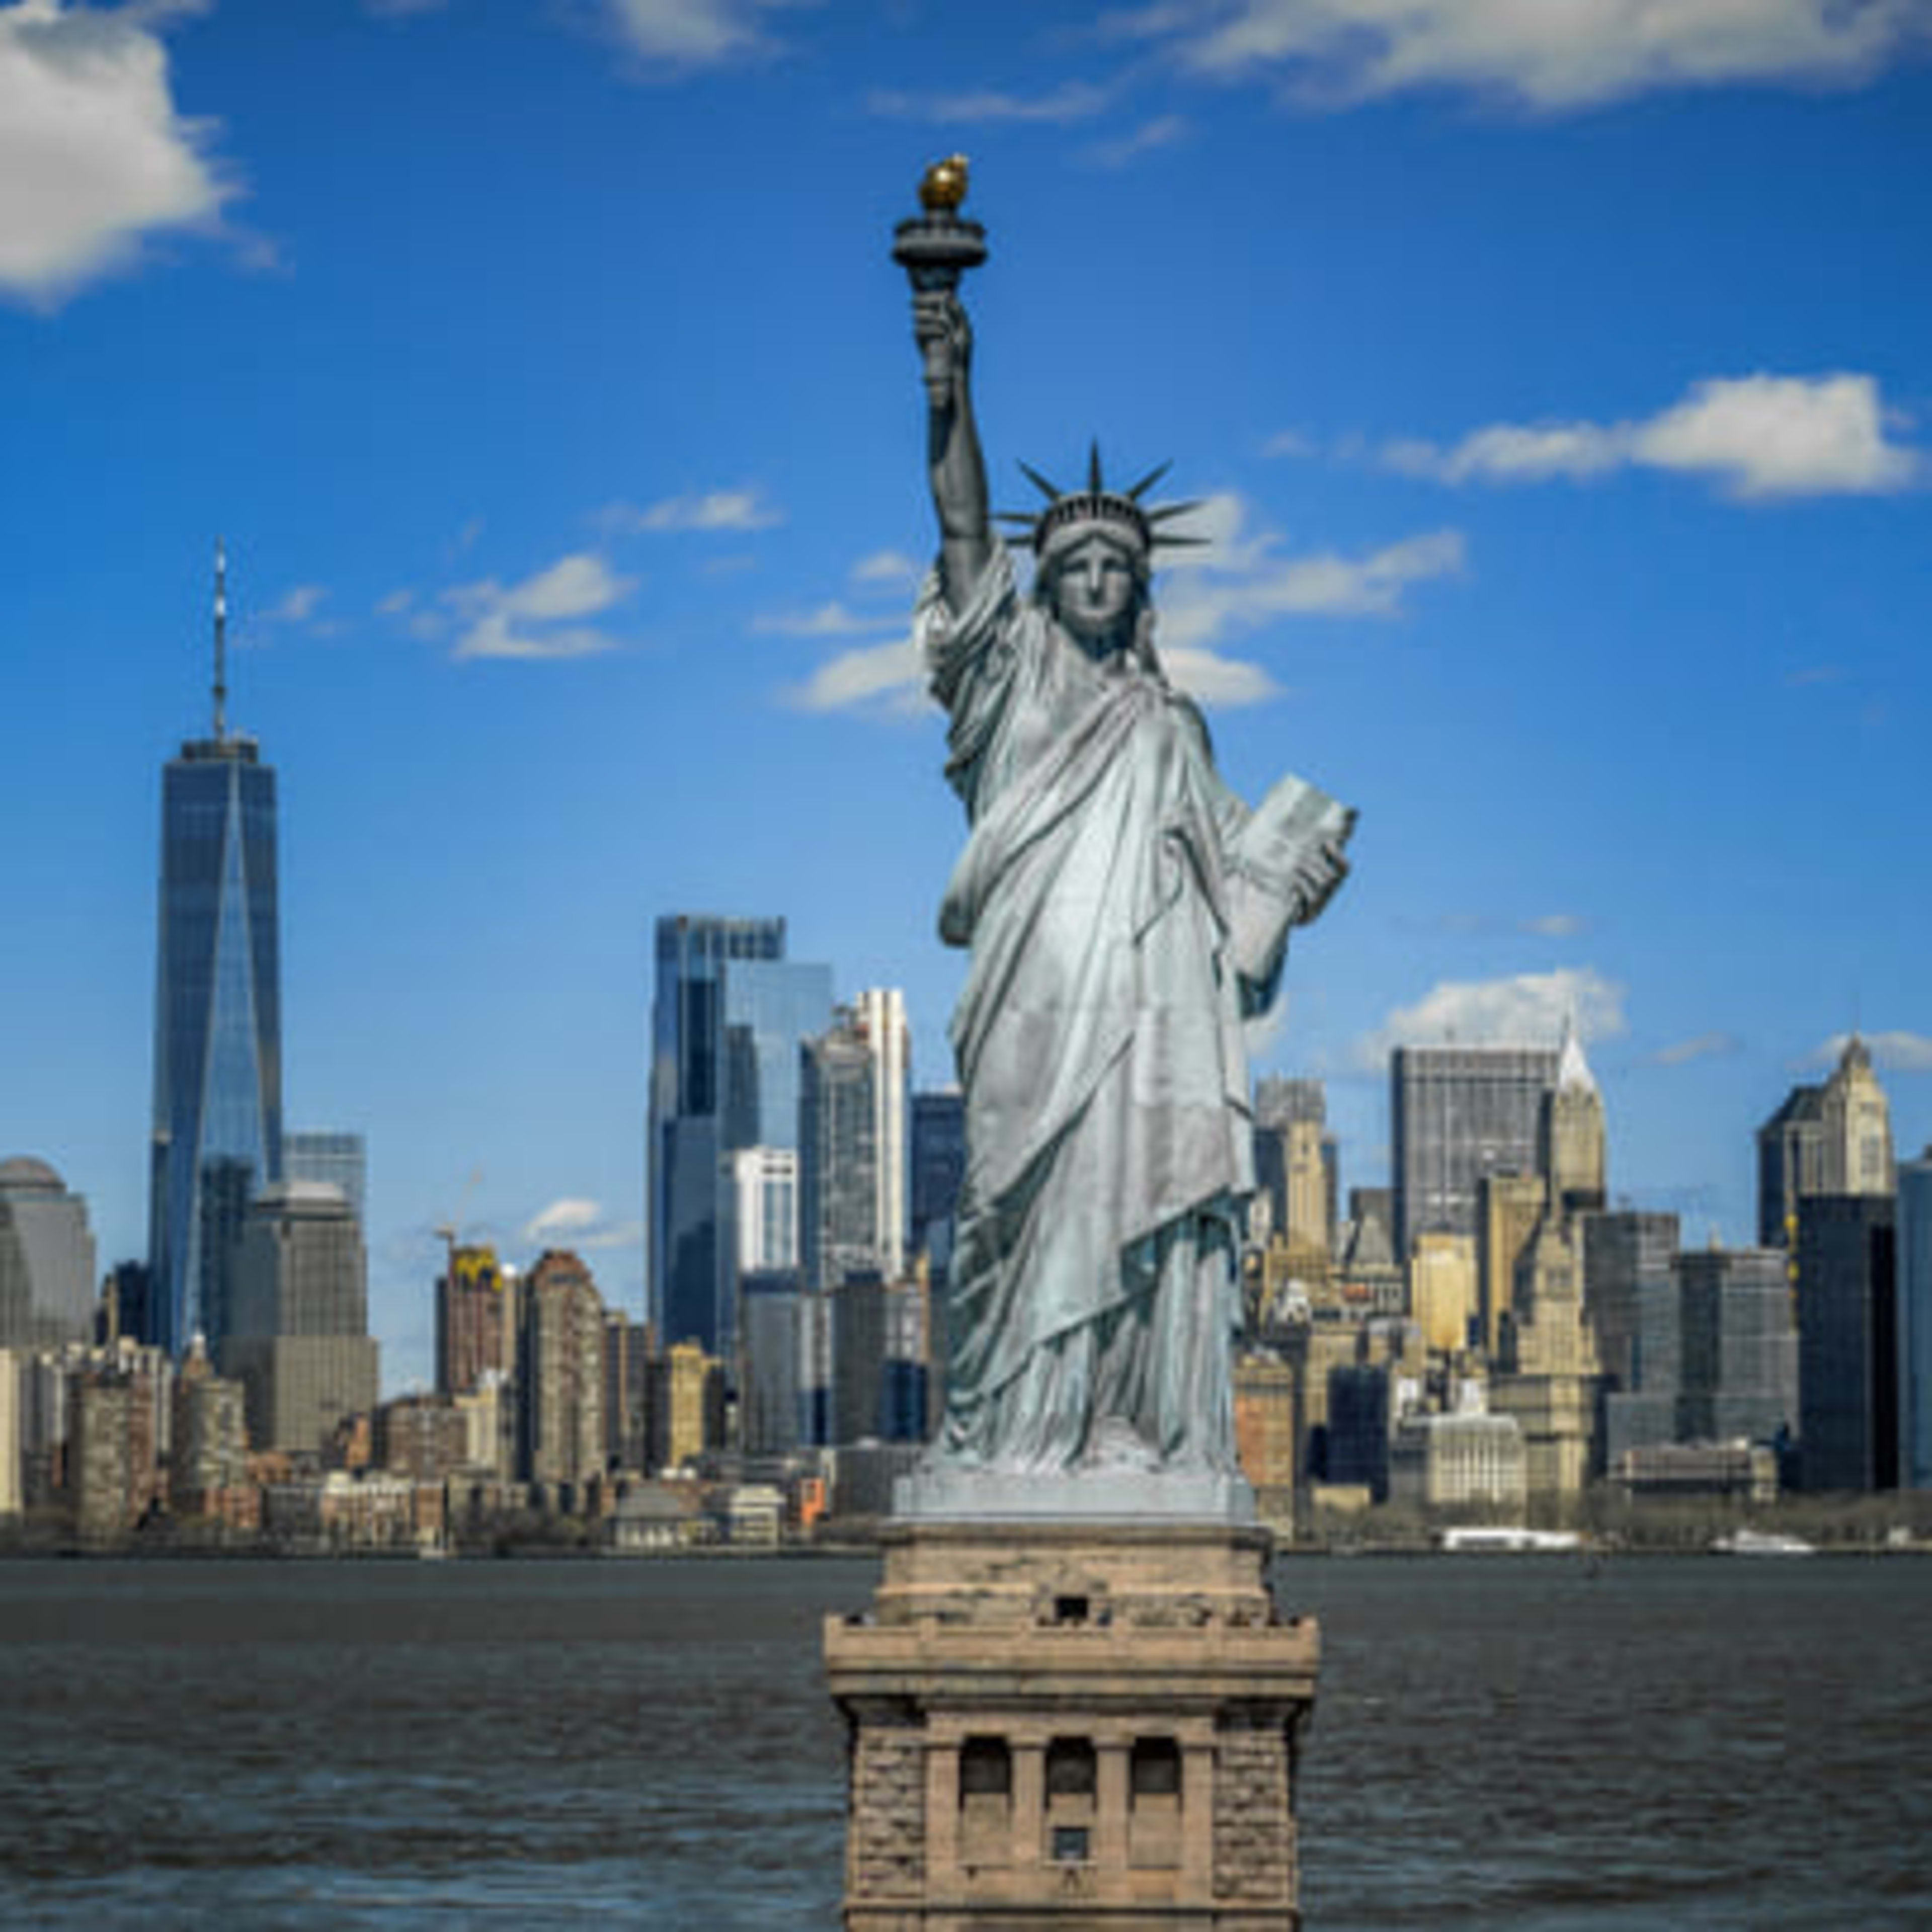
1317	879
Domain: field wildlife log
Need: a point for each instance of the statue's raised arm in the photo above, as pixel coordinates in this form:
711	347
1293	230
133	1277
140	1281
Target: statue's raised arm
957	468
935	248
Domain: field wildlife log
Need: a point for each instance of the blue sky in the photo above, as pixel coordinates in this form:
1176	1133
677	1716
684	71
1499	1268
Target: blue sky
1557	377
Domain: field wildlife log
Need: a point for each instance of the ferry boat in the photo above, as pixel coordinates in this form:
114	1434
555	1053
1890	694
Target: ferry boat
1492	1538
1761	1543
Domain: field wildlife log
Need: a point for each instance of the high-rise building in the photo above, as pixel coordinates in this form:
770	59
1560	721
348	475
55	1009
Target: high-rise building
1915	1322
1847	1341
327	1153
938	1164
47	1274
879	1015
1572	1152
838	1157
298	1339
1831	1139
729	1014
561	1382
770	1384
1626	1254
475	1319
208	1453
1737	1360
217	1135
1456	1114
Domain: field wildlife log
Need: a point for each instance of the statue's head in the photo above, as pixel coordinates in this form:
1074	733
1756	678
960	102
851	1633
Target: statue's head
1095	583
1093	553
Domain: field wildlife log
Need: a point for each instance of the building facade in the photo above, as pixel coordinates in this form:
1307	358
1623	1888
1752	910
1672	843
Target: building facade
728	1016
217	1132
475	1319
1831	1138
298	1339
1915	1322
1847	1342
1457	1114
47	1271
561	1384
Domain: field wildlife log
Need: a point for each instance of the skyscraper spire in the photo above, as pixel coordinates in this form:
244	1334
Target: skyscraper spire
221	642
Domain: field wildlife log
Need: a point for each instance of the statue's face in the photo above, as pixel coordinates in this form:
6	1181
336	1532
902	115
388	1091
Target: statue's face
1092	589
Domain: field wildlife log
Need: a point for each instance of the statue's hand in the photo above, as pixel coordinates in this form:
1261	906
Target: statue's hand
945	338
1317	878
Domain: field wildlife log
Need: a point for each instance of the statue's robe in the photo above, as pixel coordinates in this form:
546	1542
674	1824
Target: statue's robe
1122	920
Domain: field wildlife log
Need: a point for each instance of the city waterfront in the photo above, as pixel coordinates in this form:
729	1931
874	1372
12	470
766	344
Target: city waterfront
1533	1743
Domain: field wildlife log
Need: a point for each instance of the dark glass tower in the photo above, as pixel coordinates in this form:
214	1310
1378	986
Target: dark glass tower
729	1016
217	1117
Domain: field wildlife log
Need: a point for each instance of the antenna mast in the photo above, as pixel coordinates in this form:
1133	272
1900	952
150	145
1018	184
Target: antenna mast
221	643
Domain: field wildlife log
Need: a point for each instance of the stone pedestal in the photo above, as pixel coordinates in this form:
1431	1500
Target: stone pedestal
1069	1724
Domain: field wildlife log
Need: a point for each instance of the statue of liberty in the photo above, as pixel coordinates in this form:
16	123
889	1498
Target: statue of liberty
1125	913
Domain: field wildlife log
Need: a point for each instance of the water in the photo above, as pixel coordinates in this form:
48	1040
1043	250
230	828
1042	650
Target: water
1501	1742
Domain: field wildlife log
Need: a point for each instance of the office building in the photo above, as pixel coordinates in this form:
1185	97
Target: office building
728	1016
1847	1341
1915	1322
938	1166
1831	1138
1297	1167
1627	1257
327	1153
113	1449
560	1386
838	1157
12	1442
1573	1143
1738	1359
298	1337
879	1016
216	1133
878	1360
1463	1461
475	1319
770	1382
687	1405
1442	1291
207	1450
1457	1114
47	1271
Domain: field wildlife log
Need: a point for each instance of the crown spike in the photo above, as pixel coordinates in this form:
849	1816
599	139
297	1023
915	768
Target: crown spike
1137	491
1166	512
1093	482
1049	490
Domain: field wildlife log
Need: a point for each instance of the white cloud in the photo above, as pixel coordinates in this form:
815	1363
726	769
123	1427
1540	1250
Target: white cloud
1225	682
708	510
1555	925
397	604
530	620
1241	581
582	1224
879	678
298	606
1549	56
1163	131
1527	1009
1289	442
1704	1046
691	33
93	154
1756	437
1896	1052
887	567
1075	101
834	620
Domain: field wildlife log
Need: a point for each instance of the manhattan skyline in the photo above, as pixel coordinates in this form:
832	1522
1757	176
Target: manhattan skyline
1560	416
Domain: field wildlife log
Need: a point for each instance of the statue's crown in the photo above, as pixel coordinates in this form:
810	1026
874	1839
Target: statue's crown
1120	513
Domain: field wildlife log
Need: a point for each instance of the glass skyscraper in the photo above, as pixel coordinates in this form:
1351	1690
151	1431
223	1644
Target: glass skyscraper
217	1103
728	1018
